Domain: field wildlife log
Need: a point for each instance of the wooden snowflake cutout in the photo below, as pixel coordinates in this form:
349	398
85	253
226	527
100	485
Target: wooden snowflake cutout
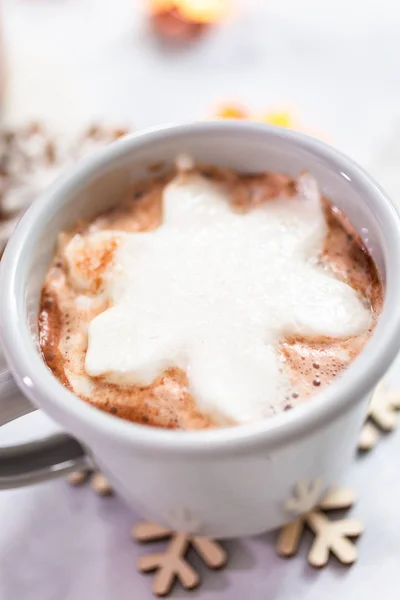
305	497
98	482
172	565
381	416
331	536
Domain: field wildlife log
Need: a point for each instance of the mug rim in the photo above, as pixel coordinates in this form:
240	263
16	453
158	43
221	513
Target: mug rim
37	381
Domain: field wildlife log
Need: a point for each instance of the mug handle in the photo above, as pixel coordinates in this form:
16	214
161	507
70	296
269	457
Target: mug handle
32	462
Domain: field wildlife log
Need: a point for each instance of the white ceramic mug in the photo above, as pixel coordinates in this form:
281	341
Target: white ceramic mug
221	482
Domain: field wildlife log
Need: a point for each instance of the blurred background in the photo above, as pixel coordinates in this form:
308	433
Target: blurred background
332	65
328	68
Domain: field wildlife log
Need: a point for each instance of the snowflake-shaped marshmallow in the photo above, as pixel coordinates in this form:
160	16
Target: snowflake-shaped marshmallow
212	291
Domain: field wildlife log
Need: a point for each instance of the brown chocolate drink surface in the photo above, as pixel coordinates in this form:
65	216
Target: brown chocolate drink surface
66	309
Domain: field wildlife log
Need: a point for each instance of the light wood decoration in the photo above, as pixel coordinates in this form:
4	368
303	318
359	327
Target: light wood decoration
98	482
331	536
172	565
381	416
77	478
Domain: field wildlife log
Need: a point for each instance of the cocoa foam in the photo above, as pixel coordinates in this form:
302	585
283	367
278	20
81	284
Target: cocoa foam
169	394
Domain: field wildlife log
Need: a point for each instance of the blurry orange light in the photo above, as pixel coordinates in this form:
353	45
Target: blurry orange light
232	111
282	118
199	11
279	117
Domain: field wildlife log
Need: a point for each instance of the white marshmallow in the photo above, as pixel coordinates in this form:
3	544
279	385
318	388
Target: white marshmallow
212	292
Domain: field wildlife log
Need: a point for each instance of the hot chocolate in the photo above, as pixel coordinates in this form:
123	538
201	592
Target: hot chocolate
208	298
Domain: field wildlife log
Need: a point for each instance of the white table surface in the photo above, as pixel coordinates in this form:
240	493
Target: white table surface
70	61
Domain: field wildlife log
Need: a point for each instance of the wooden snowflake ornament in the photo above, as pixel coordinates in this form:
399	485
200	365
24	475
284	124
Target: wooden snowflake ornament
305	497
331	536
381	416
98	482
172	564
